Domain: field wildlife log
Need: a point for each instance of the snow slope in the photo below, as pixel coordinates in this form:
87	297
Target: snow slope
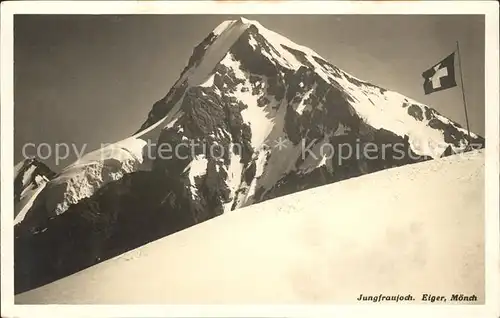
27	202
412	229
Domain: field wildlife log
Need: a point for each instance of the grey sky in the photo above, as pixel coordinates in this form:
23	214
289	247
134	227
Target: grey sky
93	79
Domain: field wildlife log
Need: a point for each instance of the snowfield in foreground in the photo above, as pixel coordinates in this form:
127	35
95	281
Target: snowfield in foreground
409	230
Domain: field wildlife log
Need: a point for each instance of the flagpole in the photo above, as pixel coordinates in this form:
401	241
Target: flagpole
463	93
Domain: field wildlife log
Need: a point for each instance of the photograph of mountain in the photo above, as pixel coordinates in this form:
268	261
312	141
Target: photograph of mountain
133	130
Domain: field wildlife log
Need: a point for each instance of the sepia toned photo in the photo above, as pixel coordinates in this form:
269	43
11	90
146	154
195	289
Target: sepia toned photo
229	158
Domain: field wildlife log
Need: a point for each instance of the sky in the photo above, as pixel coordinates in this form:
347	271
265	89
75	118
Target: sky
86	80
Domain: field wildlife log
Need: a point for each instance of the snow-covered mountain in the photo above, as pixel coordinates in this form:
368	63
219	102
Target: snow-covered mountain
253	116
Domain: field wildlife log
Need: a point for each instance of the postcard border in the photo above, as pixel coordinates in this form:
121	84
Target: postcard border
492	261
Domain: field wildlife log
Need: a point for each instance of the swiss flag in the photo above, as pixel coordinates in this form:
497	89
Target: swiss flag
440	76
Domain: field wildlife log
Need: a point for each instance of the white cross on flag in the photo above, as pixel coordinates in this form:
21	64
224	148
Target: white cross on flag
440	76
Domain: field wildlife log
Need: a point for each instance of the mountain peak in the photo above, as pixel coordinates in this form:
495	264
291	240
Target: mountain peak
28	162
30	177
231	23
245	20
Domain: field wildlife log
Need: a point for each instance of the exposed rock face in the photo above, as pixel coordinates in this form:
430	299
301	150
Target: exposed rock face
252	117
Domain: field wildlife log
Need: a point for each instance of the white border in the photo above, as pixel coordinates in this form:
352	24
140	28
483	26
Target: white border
492	263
